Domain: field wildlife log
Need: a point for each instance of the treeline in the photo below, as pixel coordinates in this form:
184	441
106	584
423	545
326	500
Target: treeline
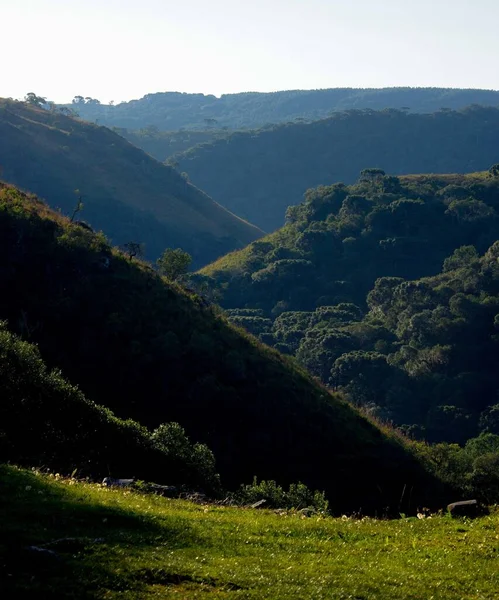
257	175
173	110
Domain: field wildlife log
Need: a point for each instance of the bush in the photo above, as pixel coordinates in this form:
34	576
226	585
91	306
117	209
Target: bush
297	497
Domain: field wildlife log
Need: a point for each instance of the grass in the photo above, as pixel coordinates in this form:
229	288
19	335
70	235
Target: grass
120	544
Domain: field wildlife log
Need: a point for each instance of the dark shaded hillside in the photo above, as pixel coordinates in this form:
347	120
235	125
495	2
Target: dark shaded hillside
174	110
148	351
47	422
126	193
257	175
344	288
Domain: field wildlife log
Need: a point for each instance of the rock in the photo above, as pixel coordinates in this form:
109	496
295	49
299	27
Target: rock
259	503
112	482
465	508
163	490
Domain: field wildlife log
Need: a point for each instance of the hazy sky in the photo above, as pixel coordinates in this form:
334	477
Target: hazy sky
122	49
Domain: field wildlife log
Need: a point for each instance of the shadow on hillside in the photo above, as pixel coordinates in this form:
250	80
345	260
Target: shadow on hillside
61	542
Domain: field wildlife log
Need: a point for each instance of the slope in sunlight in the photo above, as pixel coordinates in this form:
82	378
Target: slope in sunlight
125	192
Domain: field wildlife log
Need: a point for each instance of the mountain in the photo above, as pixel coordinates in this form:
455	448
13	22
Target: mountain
126	193
173	110
257	175
352	287
150	351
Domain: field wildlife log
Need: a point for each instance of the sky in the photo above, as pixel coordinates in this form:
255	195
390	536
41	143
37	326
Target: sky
122	49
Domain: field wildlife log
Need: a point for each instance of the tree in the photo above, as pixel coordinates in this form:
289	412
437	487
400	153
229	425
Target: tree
173	263
34	100
133	249
68	112
494	170
79	206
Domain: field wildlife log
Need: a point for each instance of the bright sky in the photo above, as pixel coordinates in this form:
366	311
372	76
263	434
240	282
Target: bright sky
122	49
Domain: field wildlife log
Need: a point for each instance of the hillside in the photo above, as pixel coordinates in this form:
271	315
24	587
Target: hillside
173	110
164	144
45	421
125	192
148	351
257	175
70	539
340	288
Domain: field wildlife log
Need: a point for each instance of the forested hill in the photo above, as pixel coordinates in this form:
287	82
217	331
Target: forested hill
147	350
344	287
174	110
125	192
257	175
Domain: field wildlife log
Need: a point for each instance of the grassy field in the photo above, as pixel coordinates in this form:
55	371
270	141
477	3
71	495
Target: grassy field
120	544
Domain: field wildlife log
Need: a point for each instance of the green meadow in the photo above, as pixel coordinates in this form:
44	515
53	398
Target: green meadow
95	542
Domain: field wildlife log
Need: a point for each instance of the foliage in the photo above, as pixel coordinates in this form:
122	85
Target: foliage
297	497
266	171
415	351
174	263
151	351
34	100
171	440
473	468
45	421
117	544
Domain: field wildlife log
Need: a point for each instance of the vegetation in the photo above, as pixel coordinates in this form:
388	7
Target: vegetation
172	110
164	144
342	287
115	544
45	421
266	171
146	350
125	193
174	263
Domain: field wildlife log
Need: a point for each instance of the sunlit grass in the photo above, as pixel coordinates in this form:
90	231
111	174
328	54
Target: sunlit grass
129	545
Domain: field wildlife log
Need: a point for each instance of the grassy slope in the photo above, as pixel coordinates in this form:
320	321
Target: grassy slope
268	170
125	192
117	544
148	351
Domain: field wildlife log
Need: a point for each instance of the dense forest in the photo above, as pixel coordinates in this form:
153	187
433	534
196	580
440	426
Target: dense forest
257	175
123	191
150	351
387	290
173	110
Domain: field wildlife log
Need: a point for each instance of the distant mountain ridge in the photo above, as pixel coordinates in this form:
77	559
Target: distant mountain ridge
263	172
125	192
175	110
